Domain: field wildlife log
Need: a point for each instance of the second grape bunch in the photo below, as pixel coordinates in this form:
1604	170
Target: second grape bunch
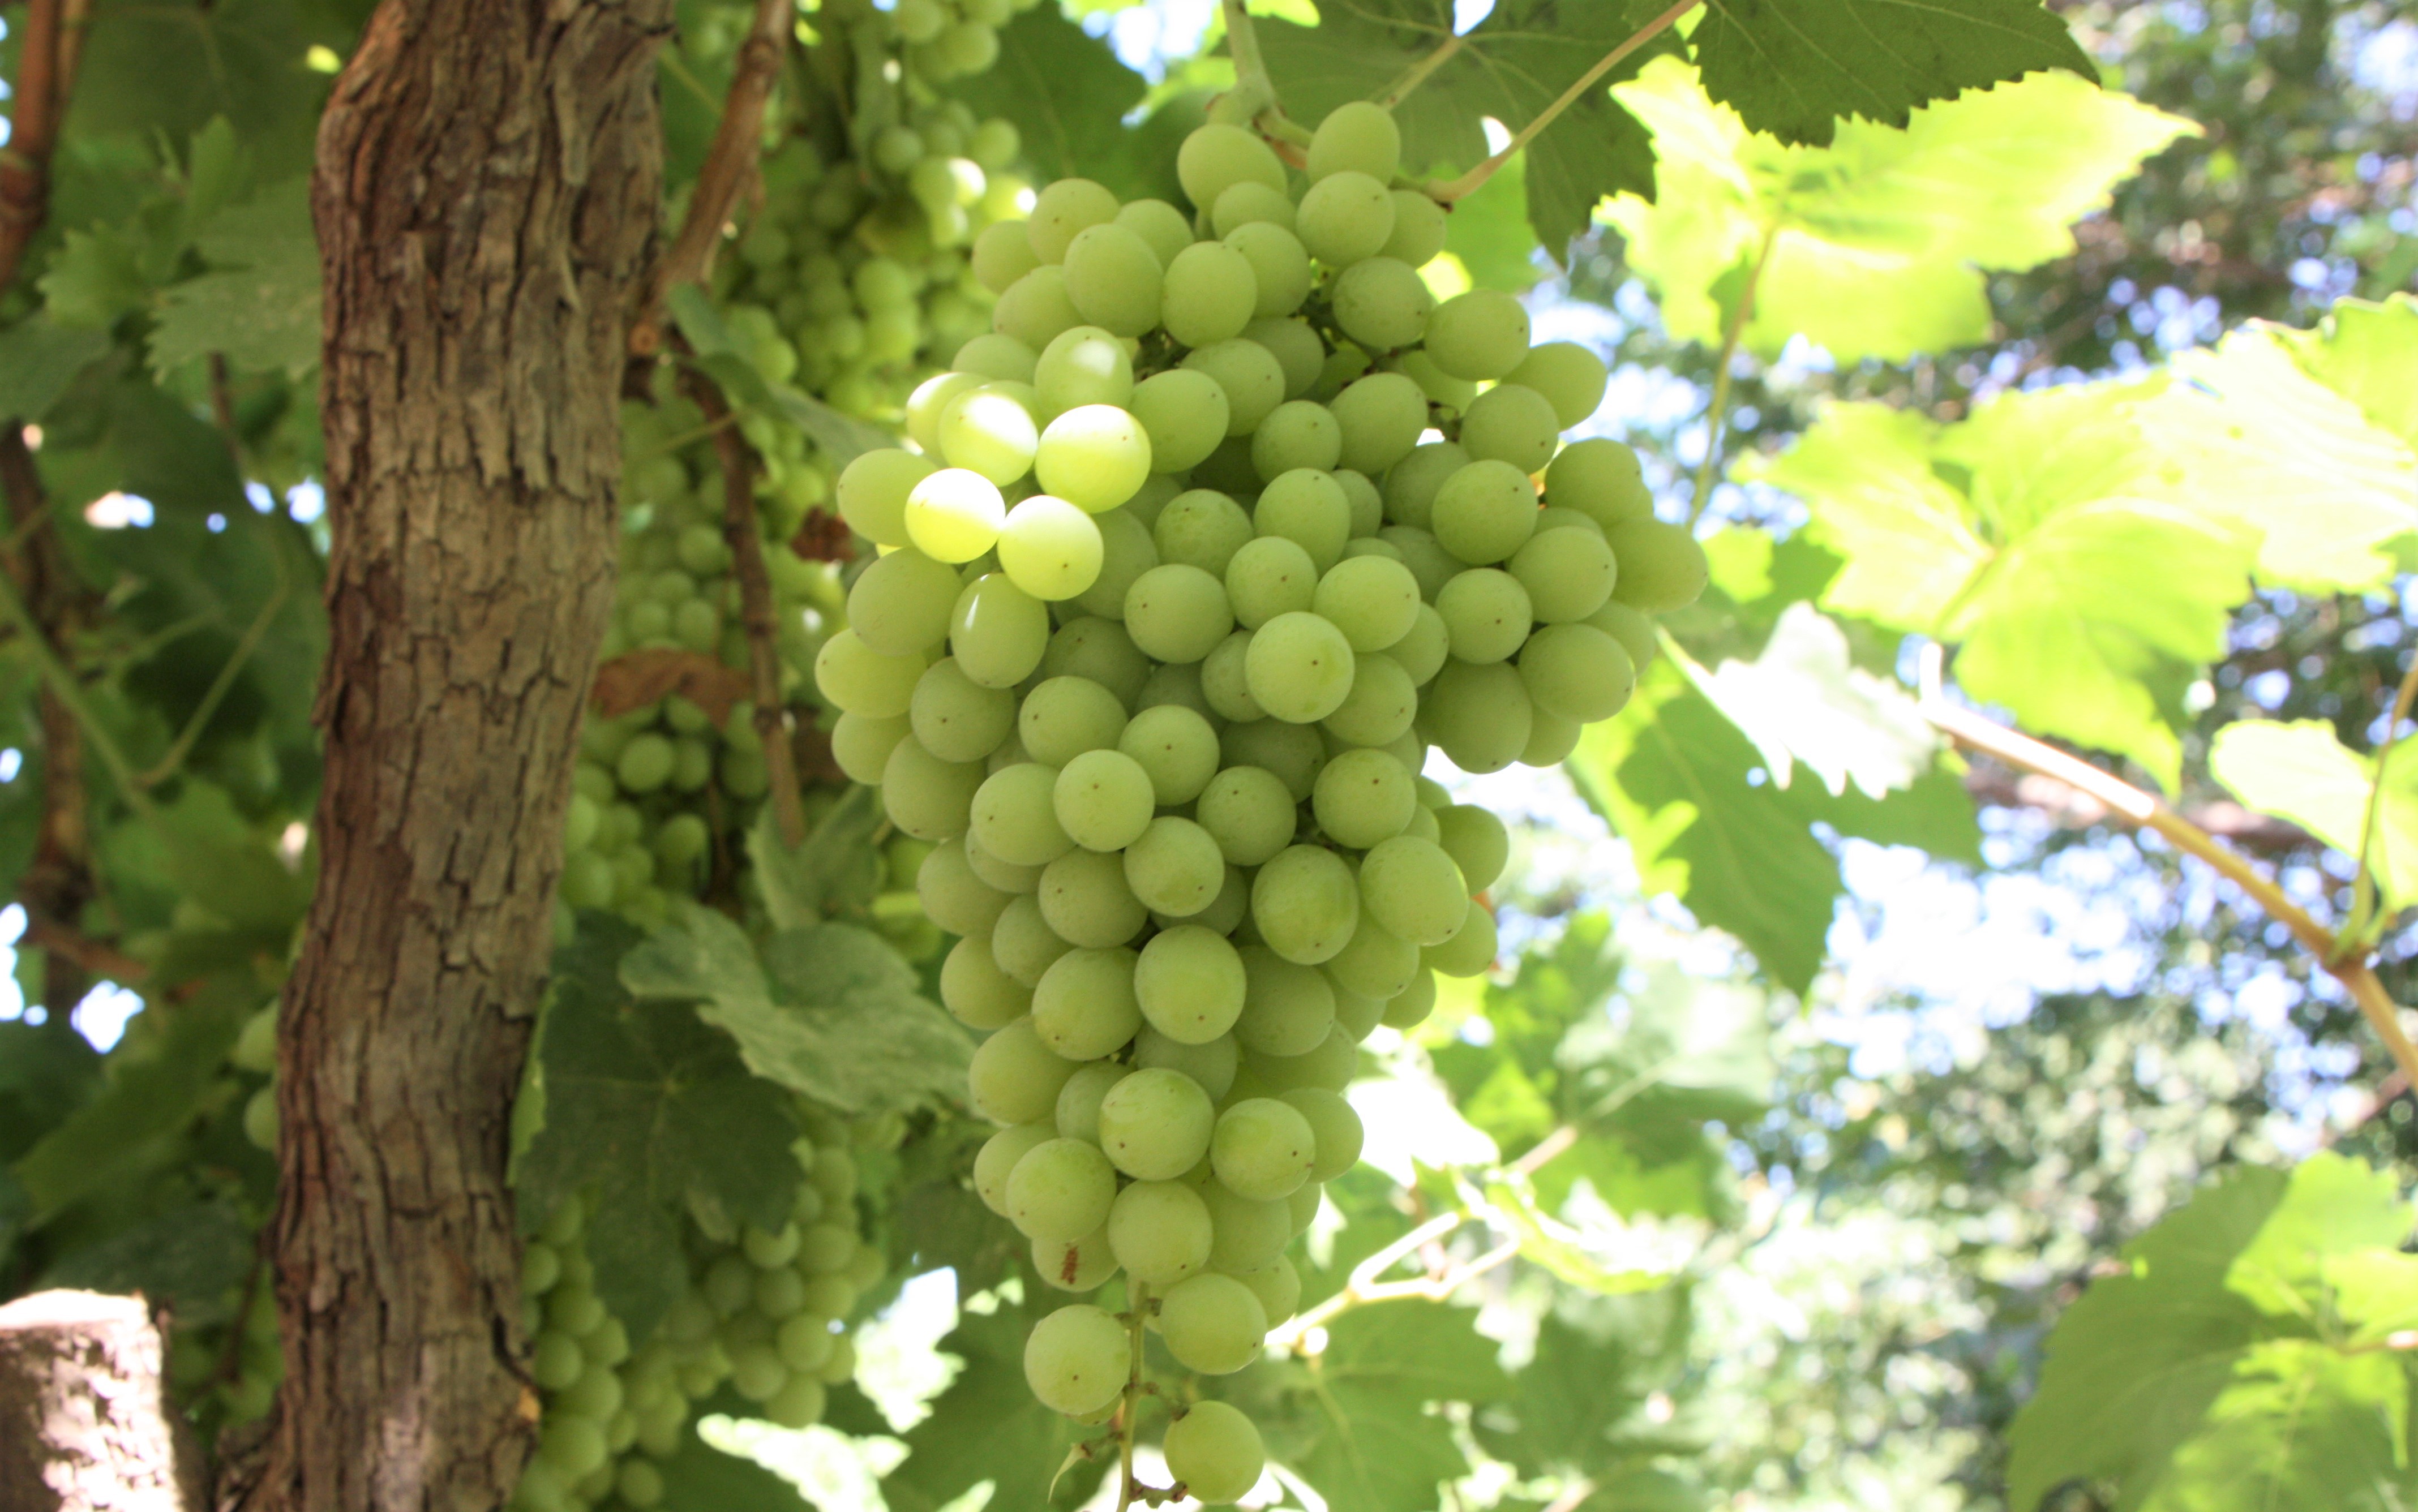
1224	525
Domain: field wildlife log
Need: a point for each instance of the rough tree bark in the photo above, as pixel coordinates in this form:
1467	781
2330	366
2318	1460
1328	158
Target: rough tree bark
84	1420
486	185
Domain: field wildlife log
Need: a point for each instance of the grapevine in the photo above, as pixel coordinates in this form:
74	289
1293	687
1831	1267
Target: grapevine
1193	560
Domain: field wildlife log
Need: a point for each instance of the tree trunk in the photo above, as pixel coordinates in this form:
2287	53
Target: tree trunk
84	1423
487	182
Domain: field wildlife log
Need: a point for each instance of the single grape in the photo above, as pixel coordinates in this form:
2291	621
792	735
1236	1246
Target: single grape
1175	868
1154	1125
1383	699
1419	229
1469	952
1513	425
1211	1065
1189	984
901	601
1015	1078
1661	566
1127	552
1346	216
1115	278
1380	302
1062	211
1086	900
1249	812
1381	416
1184	412
1212	294
1094	456
1249	204
1306	904
1487	614
1287	1007
1084	1006
1160	225
1078	1102
1359	136
1262	1150
1177	613
1061	1189
1248	374
1280	273
1478	335
954	515
986	430
1086	365
1049	548
1270	576
1373	600
1571	379
1577	673
1363	798
1212	1323
1299	667
1601	478
1413	890
1217	155
1176	746
1568	571
1160	1231
1104	800
872	494
1076	1359
998	633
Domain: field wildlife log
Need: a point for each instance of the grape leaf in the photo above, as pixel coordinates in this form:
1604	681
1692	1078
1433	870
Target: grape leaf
2254	437
188	1255
1795	68
2299	1428
829	1010
697	1475
45	1072
653	1113
986	1426
1990	181
2300	772
38	360
168	66
1801	700
836	871
1067	95
259	305
1578	1406
2368	354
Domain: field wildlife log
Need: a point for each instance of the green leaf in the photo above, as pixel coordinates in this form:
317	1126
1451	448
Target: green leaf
2300	772
653	1113
2333	1205
1669	772
1067	95
1556	1247
1987	182
167	66
2368	354
986	1426
259	306
2299	1428
844	437
1578	1406
1801	700
38	360
1795	67
837	870
186	1256
700	1475
155	1089
95	277
830	1011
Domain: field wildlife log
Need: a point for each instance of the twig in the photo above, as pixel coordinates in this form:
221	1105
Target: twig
1138	1313
730	163
1417	73
1469	183
224	683
1971	729
71	693
94	957
1717	430
756	613
1363	1288
40	97
2363	905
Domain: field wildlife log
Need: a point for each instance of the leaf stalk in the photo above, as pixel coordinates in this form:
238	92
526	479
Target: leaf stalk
1718	416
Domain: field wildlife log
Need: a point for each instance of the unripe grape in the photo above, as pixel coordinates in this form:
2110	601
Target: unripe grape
1115	278
1249	375
1086	366
1281	272
1571	379
1381	303
954	515
1212	1323
1419	229
1250	204
1345	217
1478	335
1661	566
1160	225
1513	425
1217	155
1357	136
1381	416
1212	294
1049	548
1064	210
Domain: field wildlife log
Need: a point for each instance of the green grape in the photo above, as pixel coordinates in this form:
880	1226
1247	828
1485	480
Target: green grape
1127	552
1469	952
1269	576
1299	351
998	633
1601	478
572	1446
1367	514
998	1158
1062	211
1335	1128
1212	1064
1375	964
873	490
976	992
1380	302
954	515
1076	1360
1485	511
1114	278
1633	628
1189	983
1175	868
1104	800
1297	434
1158	223
1477	842
1576	673
1245	1235
1159	1232
958	719
1345	217
1412	889
1359	137
1049	548
1487	614
798	1404
1428	562
1306	903
930	400
1077	1265
1310	508
1277	1284
1216	156
1482	715
1201	528
1478	335
1280	274
852	675
1362	797
901	601
1301	1209
1248	374
1001	255
954	895
1015	817
1177	685
1212	294
1086	900
1381	416
1299	667
1287	1007
1569	571
1571	379
1410	1008
1249	204
1381	704
1063	717
1015	1078
1373	600
1661	566
1005	876
1418	229
986	430
1249	814
1155	1124
1061	1190
1292	752
1177	613
1263	1149
1225	683
1176	747
1094	456
1078	1101
645	764
1099	649
1086	365
1551	739
1036	308
1212	1323
1183	413
1513	425
997	357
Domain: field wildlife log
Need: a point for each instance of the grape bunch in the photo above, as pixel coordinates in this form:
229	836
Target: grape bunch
1197	553
765	1315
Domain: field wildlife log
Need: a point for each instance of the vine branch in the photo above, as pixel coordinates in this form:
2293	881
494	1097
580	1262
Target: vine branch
1969	729
729	165
2363	907
40	99
1363	1288
1470	182
1719	415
